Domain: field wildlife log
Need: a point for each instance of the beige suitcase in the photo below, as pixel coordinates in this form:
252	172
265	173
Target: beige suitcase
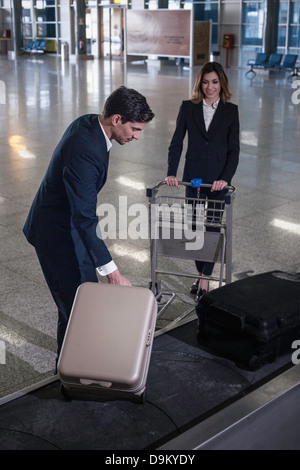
108	342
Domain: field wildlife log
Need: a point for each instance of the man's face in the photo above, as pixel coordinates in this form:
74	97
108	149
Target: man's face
124	133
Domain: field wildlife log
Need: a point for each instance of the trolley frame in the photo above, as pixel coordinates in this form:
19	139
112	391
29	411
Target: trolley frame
168	211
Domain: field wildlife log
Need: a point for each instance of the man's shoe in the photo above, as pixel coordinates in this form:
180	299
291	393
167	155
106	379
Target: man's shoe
194	288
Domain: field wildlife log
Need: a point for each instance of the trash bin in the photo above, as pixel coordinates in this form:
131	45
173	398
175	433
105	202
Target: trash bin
215	56
65	51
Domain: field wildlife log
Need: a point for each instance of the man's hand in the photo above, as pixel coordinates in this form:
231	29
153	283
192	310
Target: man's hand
116	278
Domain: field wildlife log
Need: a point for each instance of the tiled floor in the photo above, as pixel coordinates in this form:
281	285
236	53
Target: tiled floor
43	95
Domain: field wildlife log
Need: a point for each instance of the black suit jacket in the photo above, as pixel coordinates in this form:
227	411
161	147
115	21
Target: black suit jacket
64	208
211	155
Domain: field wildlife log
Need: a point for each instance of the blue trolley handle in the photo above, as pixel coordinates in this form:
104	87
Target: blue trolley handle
196	183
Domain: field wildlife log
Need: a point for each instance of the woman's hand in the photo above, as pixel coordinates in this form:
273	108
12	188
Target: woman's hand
218	185
172	181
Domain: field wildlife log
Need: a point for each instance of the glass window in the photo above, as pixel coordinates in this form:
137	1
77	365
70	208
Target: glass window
281	36
251	35
26	19
206	12
153	4
26	15
26	4
174	4
188	4
253	21
253	12
27	30
294	24
45	30
42	4
295	12
283	10
214	34
294	36
45	18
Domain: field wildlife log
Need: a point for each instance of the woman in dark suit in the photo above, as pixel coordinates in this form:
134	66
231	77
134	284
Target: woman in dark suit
212	125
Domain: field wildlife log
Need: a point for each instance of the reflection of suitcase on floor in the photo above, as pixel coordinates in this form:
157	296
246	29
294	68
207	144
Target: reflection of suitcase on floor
253	320
108	342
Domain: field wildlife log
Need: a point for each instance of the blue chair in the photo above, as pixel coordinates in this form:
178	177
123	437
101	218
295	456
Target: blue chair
42	47
289	61
29	47
35	47
274	61
290	64
258	63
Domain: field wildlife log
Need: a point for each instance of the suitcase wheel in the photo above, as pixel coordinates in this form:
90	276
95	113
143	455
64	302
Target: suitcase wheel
142	400
64	393
254	363
157	290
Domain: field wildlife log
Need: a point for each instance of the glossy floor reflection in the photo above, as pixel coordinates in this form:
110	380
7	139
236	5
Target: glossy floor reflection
43	95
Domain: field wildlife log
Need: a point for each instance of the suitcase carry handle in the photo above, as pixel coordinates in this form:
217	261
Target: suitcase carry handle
226	319
287	276
99	383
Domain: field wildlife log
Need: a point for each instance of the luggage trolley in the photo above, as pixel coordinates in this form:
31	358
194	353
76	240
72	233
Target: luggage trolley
190	229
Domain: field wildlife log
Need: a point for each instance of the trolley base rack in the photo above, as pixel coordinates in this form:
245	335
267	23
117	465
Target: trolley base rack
188	228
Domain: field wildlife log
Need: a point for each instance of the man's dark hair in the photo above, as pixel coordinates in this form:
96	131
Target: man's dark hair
130	104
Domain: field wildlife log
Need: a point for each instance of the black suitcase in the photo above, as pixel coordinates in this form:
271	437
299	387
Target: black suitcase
251	321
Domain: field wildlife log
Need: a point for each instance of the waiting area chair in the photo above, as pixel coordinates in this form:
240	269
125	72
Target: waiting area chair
35	47
39	47
274	61
259	63
289	62
28	47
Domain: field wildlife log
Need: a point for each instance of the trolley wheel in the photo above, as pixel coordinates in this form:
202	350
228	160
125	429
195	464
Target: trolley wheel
200	332
197	305
254	363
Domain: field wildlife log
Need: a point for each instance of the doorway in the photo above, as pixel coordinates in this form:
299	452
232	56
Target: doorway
112	31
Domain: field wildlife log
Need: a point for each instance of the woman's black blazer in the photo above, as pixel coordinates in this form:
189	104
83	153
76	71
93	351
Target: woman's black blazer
211	155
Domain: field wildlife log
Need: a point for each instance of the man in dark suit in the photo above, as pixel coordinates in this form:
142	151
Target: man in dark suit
212	125
62	222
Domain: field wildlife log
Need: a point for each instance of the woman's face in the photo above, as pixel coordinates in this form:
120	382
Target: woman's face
211	87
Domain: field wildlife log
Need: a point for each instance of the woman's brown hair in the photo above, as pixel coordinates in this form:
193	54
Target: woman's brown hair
209	67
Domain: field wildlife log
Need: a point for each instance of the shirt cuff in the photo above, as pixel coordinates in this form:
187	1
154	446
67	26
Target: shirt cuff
107	268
